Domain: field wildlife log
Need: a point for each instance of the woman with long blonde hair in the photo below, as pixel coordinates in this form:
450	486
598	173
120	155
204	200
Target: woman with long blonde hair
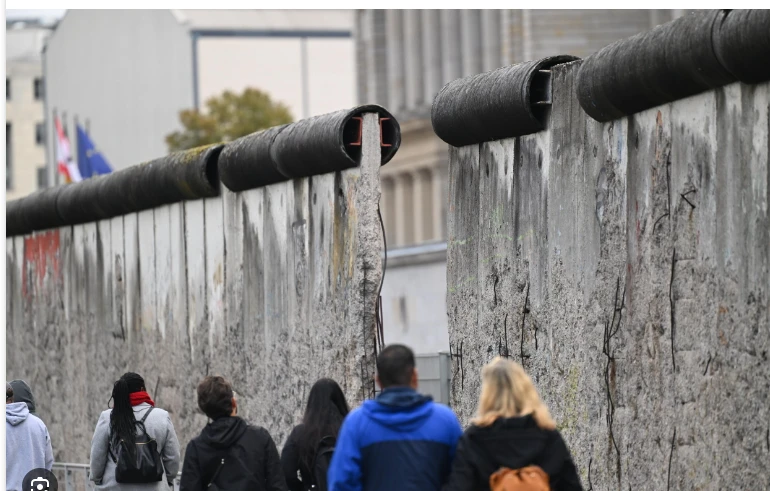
512	429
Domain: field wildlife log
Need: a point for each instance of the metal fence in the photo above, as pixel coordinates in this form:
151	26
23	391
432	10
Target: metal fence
433	372
74	477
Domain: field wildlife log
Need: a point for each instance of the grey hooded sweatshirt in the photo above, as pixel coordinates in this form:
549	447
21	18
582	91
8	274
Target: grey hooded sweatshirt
27	445
23	393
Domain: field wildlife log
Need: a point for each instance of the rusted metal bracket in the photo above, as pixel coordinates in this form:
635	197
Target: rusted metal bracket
360	120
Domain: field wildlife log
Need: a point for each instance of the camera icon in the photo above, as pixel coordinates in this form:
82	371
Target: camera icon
39	480
40	484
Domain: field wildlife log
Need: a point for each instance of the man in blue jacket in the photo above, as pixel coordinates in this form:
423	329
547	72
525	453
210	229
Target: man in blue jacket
401	440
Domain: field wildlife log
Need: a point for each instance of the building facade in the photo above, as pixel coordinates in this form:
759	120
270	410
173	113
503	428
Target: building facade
404	57
137	69
24	116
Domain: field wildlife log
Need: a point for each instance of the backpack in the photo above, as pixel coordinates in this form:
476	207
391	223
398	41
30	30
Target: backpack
141	466
323	457
530	478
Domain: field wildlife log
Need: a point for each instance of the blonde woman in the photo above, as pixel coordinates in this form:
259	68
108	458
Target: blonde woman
512	429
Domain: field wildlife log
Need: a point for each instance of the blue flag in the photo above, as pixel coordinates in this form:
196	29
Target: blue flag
90	161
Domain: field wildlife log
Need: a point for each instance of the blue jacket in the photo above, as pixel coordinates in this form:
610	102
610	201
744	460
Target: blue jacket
400	441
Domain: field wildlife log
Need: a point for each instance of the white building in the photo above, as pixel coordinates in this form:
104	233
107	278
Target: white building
129	73
25	158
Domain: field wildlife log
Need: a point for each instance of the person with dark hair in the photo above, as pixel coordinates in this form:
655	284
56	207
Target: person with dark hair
325	411
229	453
133	413
401	441
27	443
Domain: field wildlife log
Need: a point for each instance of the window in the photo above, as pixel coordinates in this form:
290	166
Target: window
8	155
7	89
39	133
42	177
38	89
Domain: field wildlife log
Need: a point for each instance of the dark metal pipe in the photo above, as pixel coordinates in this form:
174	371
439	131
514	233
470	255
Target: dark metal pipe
494	105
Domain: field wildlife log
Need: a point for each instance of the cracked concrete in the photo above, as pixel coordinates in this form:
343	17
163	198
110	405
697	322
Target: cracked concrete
272	288
625	265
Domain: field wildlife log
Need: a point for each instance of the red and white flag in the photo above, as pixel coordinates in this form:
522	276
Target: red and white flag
67	167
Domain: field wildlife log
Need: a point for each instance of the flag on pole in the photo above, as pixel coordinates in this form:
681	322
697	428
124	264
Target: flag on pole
90	161
64	161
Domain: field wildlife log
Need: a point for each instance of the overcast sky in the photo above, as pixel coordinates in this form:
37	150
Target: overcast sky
34	14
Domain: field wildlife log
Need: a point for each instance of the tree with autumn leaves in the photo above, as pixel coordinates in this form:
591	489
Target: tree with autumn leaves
227	117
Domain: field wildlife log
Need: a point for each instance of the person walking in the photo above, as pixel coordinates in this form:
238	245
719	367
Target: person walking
27	443
134	425
229	453
303	456
23	393
401	440
512	438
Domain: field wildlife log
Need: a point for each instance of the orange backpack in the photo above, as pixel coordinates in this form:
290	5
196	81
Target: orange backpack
530	478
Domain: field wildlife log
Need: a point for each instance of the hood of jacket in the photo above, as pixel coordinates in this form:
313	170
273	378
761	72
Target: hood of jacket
400	408
223	432
511	440
23	393
16	413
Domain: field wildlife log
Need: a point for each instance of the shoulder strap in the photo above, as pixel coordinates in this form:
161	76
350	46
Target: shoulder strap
144	418
318	451
216	473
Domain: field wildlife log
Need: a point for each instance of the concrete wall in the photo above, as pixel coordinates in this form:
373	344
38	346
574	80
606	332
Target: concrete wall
272	288
626	266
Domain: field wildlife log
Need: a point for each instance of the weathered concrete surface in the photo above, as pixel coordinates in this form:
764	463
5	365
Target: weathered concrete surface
273	288
626	266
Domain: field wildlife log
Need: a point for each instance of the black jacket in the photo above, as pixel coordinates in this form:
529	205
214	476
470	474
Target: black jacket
291	463
251	459
513	443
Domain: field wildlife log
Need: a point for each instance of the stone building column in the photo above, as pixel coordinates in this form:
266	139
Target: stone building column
388	209
394	29
438	183
404	205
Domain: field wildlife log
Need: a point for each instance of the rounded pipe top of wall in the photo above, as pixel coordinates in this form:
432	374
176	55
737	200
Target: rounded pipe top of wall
507	102
698	52
327	143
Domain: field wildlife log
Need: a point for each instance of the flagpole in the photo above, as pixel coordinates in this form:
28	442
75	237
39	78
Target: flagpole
75	146
66	131
56	178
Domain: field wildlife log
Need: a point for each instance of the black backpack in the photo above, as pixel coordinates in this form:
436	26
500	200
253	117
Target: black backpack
323	457
142	463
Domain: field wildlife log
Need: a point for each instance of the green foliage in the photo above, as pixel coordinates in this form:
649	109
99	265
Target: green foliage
227	117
